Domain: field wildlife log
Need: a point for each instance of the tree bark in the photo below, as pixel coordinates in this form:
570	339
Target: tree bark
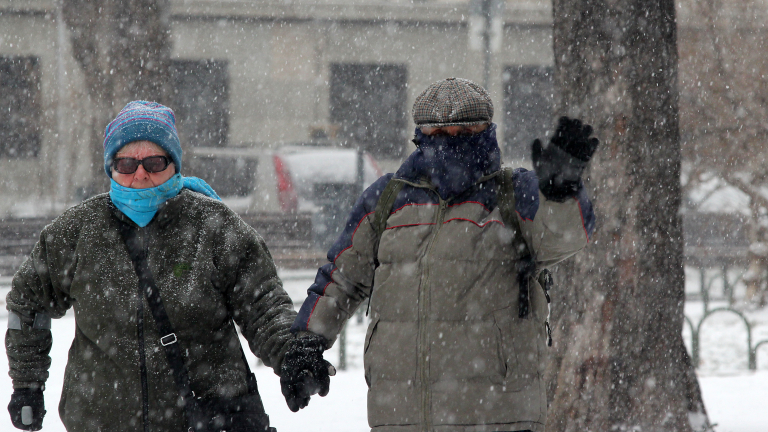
123	48
619	362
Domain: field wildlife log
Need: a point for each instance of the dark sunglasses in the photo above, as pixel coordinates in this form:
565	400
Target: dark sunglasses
152	164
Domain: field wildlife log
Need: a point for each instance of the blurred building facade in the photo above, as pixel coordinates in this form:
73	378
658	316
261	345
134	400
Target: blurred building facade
263	73
260	74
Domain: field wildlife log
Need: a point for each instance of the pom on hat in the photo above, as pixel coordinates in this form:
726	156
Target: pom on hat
453	102
142	121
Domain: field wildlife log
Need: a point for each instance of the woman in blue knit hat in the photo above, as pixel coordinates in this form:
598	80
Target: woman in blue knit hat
158	272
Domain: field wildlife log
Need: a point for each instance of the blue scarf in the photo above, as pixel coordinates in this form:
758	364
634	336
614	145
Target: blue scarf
140	205
455	163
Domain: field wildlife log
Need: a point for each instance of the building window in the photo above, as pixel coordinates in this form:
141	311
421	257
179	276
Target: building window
20	108
528	104
200	101
368	103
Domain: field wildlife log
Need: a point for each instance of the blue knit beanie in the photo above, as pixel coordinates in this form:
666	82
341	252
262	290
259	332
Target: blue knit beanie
142	121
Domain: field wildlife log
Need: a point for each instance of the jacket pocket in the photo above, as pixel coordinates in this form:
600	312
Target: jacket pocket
519	348
366	358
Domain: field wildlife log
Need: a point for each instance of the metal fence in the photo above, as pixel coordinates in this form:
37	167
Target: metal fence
728	295
718	248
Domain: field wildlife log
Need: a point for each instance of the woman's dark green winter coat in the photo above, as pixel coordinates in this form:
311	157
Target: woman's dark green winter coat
208	265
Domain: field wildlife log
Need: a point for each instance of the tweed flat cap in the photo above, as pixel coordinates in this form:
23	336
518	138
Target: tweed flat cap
453	102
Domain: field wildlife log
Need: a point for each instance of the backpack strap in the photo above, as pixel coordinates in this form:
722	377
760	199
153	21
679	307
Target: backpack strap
526	265
506	197
506	202
384	205
383	209
138	253
137	250
379	223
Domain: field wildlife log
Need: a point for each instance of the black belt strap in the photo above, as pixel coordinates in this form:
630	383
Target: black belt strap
138	253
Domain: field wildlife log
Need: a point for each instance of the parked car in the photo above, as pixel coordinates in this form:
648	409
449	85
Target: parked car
307	177
321	180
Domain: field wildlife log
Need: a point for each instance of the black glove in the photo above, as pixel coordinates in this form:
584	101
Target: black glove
304	371
27	409
559	165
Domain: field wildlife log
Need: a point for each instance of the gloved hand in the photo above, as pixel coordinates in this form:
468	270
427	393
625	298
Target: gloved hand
304	371
27	409
559	165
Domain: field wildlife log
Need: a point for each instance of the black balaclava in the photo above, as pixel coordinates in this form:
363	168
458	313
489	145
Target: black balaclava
454	163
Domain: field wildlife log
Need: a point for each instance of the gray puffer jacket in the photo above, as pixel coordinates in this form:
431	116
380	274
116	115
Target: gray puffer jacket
446	349
209	266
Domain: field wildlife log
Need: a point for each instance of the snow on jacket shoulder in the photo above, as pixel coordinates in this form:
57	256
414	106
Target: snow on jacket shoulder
446	349
205	261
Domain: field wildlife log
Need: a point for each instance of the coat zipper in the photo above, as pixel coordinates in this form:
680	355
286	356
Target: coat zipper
142	352
424	304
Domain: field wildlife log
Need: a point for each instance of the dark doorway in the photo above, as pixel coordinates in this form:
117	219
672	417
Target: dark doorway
368	103
528	99
20	108
201	101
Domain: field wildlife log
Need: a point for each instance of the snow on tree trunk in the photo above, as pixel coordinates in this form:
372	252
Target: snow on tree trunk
618	362
123	48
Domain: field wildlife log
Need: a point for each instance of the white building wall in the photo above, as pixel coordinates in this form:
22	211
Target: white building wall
279	58
35	185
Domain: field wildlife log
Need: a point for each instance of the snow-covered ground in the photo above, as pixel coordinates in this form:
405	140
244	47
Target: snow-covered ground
735	397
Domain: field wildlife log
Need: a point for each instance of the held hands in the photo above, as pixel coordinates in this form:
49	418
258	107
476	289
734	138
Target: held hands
27	409
560	164
304	371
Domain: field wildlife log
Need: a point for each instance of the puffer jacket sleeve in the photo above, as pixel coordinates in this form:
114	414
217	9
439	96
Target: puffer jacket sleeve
553	231
40	290
246	274
345	281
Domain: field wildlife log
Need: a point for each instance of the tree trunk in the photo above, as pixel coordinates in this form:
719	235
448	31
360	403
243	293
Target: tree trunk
123	48
619	362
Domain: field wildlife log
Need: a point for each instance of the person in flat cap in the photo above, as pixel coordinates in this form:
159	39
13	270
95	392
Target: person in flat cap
159	272
452	252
